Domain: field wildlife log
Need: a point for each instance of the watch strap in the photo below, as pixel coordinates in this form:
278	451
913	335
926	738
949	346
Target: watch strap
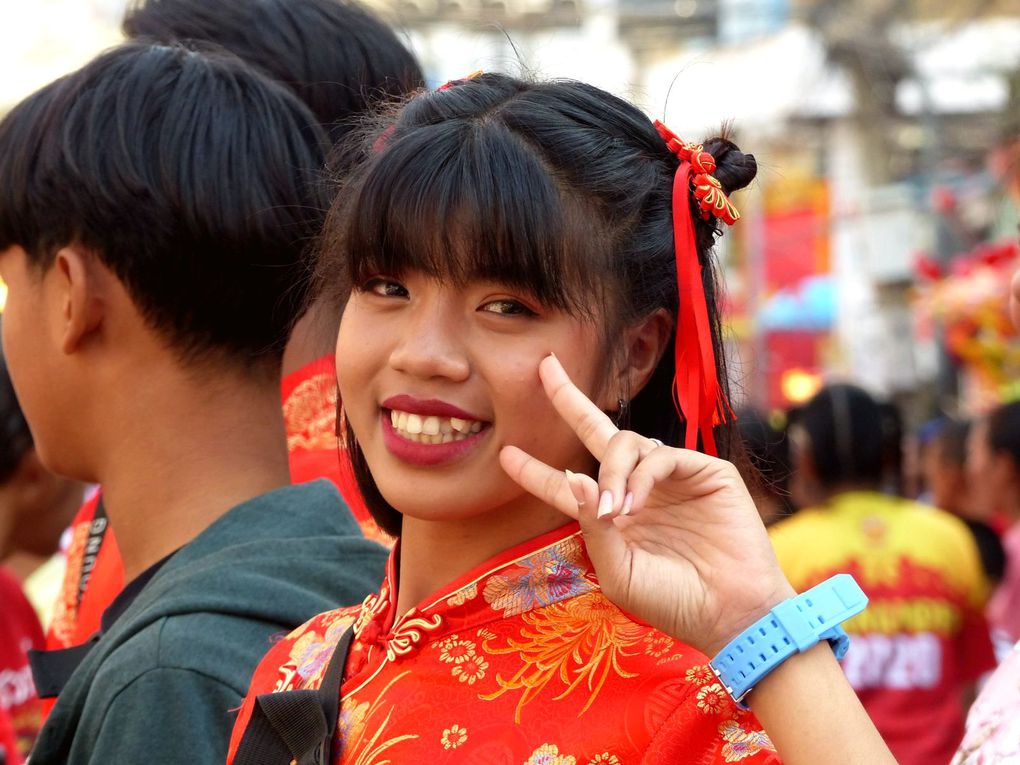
791	627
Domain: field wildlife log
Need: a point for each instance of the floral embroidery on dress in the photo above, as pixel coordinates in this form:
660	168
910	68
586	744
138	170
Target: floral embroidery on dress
658	645
604	759
471	670
463	595
545	578
699	675
712	699
453	737
581	641
549	754
743	742
360	731
453	650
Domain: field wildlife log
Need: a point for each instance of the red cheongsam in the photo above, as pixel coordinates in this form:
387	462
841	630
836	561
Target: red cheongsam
522	661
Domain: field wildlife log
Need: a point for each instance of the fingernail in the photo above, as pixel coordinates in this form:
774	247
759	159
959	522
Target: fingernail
628	502
605	504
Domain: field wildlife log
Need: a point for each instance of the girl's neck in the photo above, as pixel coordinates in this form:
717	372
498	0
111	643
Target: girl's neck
434	553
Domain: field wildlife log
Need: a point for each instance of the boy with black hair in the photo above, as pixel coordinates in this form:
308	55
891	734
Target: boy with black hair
338	58
155	210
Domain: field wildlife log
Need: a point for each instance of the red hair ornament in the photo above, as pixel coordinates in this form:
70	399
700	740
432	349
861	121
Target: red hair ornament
696	392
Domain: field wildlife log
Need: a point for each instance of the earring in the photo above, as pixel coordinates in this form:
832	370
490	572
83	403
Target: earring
621	411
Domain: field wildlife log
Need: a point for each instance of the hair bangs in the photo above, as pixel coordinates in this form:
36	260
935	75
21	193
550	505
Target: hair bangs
464	202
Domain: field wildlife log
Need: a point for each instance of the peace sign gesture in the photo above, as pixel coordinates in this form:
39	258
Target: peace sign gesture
674	535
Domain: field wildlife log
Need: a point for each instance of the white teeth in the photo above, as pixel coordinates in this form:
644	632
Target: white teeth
432	429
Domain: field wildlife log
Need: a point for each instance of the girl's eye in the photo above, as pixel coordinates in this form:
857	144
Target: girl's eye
508	307
384	287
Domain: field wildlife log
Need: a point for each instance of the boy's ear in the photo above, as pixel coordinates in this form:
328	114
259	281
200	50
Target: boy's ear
644	344
80	284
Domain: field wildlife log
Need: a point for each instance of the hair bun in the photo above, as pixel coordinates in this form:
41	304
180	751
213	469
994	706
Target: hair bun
734	169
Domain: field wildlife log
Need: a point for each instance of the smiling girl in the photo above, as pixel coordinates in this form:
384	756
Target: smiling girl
508	255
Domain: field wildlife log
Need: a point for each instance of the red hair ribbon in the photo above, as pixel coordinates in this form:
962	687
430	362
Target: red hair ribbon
696	392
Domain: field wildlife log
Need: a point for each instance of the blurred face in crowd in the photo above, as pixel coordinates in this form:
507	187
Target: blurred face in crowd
946	480
991	476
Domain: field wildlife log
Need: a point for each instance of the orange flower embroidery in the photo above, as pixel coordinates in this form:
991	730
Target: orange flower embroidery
453	737
712	698
604	759
580	642
699	675
549	754
741	742
471	670
657	644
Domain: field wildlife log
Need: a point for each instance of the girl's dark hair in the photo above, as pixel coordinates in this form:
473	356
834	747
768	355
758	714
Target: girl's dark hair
1004	430
847	433
15	437
556	188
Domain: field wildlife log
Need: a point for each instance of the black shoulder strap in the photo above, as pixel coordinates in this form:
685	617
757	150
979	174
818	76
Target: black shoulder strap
296	726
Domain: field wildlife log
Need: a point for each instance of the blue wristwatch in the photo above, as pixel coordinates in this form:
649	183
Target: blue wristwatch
791	627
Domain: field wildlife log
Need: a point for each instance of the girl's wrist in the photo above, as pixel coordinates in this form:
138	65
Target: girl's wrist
782	592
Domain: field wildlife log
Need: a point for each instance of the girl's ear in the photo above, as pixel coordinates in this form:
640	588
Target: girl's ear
644	344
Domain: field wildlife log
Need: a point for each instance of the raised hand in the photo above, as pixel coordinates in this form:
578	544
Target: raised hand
673	534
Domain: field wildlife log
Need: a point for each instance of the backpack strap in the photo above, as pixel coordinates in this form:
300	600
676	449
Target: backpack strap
296	727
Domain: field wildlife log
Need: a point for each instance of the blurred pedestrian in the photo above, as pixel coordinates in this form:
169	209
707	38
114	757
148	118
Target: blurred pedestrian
923	642
993	725
949	488
993	463
153	204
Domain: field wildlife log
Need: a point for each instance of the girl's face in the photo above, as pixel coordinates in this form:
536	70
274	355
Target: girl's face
435	379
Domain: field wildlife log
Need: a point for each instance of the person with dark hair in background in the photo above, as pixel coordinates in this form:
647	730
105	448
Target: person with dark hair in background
949	487
993	464
35	507
923	642
498	240
340	59
156	208
769	456
993	725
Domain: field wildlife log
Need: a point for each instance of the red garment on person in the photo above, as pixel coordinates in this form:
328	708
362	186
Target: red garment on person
522	660
309	412
923	640
19	632
8	746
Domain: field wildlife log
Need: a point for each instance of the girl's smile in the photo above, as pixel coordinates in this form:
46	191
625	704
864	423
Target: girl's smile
429	431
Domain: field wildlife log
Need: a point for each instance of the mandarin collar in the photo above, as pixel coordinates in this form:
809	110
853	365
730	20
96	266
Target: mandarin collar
536	573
